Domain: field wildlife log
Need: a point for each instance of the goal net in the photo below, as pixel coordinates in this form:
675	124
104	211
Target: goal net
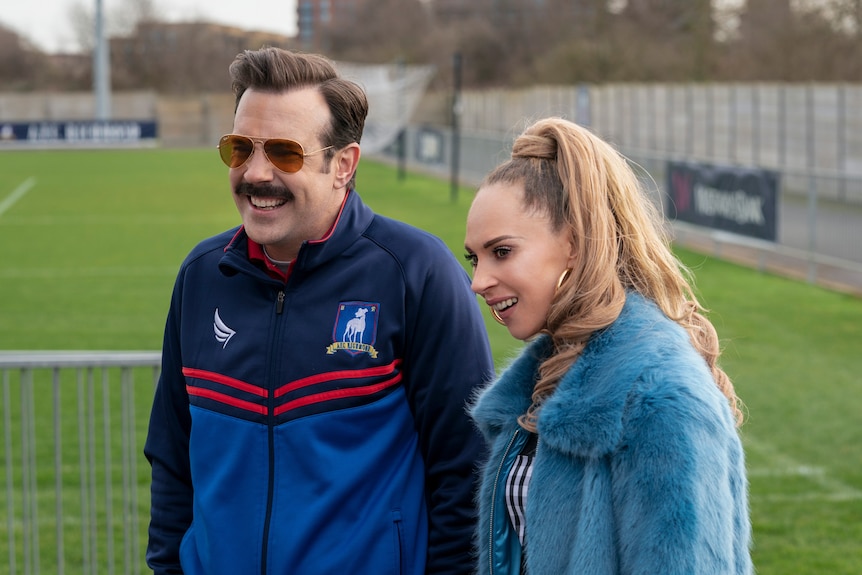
393	91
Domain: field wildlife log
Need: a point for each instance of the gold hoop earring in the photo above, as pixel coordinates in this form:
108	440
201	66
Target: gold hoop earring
563	277
496	315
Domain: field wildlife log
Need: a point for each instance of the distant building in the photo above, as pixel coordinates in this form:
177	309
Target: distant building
314	19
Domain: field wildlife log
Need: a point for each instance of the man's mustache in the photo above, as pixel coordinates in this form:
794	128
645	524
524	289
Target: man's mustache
263	190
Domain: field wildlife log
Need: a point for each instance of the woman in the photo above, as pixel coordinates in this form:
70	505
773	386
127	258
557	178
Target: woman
613	441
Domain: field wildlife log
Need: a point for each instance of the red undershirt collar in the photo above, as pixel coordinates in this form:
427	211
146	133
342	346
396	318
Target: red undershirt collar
256	255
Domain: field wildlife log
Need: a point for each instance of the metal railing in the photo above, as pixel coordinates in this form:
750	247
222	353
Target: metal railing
76	491
818	231
809	134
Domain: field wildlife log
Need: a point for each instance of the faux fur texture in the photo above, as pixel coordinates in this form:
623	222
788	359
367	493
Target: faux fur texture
639	469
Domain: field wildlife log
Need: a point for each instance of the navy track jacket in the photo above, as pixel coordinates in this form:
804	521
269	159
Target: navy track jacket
318	426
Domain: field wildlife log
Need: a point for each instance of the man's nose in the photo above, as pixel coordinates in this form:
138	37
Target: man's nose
258	168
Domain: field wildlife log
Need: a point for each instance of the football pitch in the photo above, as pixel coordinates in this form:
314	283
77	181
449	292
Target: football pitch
90	242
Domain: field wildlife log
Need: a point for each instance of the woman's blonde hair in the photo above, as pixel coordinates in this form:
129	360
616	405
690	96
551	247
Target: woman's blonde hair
582	183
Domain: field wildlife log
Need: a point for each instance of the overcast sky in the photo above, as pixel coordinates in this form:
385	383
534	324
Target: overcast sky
46	22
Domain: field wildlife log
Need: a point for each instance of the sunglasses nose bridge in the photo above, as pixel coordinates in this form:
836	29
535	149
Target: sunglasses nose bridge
257	165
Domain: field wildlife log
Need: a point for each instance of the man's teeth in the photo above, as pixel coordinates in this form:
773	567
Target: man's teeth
500	306
259	202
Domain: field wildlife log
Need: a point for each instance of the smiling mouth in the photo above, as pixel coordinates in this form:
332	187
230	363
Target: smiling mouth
505	304
266	203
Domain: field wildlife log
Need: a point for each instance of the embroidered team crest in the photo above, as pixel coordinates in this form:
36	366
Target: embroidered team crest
355	328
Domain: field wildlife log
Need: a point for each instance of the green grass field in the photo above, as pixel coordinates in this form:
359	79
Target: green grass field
89	249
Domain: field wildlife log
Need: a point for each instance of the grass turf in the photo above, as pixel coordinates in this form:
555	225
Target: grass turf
89	252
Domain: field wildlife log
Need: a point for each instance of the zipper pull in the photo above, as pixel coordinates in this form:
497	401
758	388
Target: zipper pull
279	304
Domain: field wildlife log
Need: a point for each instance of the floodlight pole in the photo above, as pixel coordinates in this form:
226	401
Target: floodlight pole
456	134
402	120
101	67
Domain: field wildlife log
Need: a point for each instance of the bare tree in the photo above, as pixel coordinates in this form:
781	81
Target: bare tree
782	40
681	32
503	43
168	57
389	33
121	20
379	31
82	21
126	17
15	70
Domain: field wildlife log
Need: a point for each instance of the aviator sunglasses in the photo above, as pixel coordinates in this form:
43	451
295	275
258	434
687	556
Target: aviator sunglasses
286	155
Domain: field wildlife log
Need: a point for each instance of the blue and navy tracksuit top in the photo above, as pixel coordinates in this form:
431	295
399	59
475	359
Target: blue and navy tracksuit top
317	425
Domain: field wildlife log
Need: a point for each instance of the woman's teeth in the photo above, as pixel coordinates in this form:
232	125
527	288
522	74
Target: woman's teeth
505	304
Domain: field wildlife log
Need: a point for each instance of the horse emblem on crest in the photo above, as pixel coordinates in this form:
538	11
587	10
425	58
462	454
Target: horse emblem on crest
355	329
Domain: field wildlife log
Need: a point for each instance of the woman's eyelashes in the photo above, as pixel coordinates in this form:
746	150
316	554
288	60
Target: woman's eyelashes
500	252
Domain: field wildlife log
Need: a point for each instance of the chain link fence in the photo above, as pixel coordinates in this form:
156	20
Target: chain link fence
810	135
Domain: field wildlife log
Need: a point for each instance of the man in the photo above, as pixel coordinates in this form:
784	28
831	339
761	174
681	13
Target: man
310	415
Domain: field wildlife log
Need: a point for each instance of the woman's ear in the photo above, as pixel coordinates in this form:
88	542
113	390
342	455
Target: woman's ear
572	255
346	162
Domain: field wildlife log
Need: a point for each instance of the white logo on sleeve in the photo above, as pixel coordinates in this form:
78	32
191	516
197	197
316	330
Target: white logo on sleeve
222	332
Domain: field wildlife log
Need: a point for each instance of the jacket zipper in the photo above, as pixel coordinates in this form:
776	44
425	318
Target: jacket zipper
269	496
494	501
279	307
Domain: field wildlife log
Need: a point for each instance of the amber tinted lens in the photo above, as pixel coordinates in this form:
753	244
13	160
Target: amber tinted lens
286	155
235	150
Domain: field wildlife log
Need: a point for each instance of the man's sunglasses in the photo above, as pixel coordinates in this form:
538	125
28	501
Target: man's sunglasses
286	155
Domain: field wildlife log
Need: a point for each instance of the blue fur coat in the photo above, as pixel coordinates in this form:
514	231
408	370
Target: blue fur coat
639	468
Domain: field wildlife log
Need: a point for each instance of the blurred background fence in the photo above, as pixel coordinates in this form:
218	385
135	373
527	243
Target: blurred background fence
810	136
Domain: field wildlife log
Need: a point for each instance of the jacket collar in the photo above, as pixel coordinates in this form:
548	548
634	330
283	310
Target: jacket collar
497	407
353	219
584	416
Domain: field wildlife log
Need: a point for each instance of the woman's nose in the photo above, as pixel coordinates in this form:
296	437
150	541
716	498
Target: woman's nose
481	280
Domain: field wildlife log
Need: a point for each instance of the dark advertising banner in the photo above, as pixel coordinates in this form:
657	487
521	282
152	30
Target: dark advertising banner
733	199
81	133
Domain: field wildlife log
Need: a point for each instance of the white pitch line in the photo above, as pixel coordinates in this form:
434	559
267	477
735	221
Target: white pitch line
17	194
808	496
799	471
782	464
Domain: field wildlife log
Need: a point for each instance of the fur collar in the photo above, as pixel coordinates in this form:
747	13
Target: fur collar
585	415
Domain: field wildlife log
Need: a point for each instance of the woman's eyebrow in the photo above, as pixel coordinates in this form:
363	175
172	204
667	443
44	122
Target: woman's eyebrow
499	239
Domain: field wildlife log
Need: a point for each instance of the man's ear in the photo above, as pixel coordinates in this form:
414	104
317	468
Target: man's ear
346	162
